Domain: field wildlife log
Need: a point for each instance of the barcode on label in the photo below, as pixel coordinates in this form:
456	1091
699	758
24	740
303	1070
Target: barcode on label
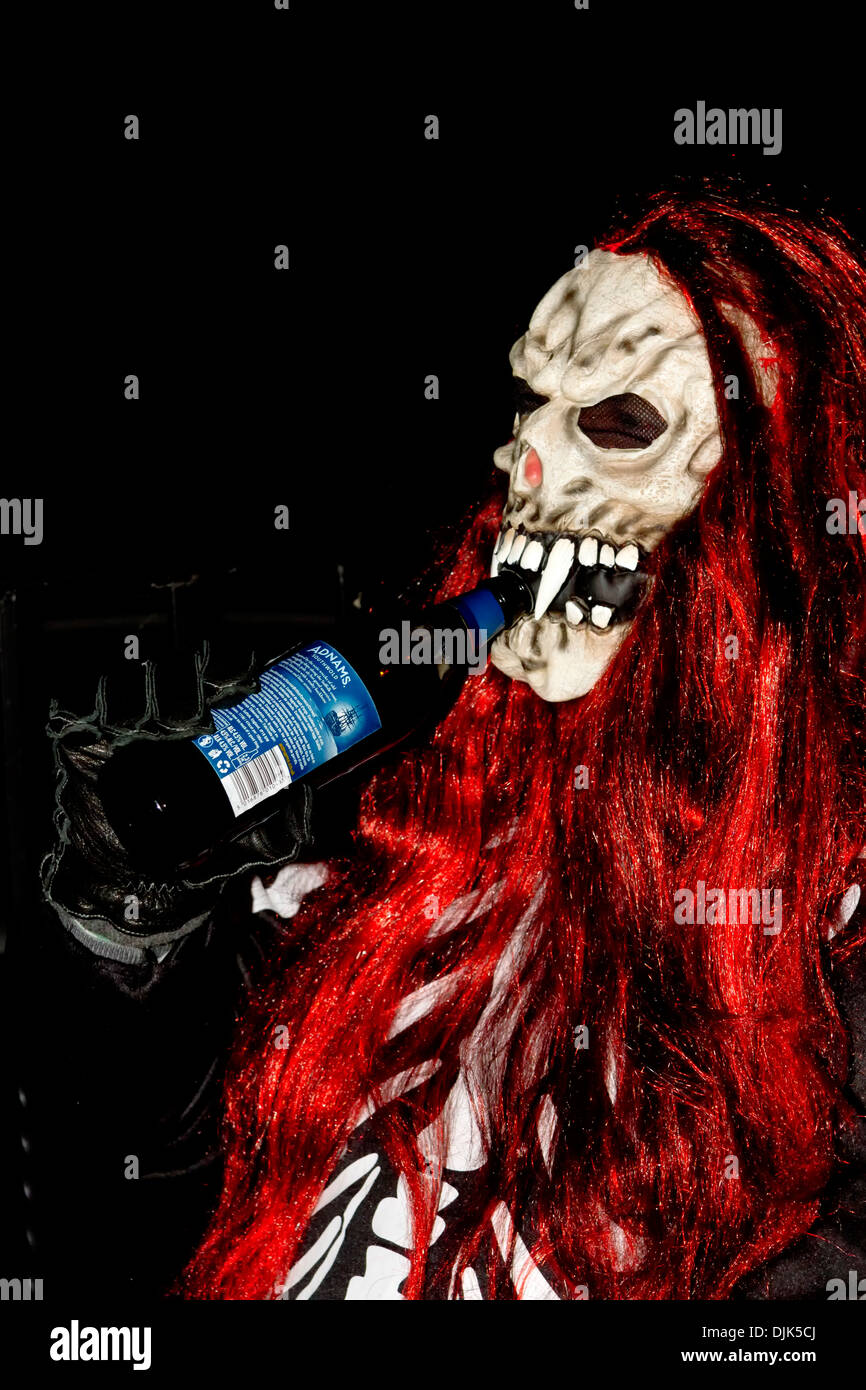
258	779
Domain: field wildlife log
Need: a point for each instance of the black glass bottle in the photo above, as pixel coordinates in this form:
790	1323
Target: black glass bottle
324	708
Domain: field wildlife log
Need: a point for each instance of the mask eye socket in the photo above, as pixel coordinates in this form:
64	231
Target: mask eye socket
526	400
621	422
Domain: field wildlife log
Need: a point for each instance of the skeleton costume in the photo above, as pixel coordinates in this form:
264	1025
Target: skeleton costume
360	1235
618	434
613	445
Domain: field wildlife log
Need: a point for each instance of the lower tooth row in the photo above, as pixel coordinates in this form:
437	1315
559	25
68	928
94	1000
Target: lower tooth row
600	614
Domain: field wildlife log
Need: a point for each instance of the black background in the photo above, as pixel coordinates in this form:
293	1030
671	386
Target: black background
407	257
306	387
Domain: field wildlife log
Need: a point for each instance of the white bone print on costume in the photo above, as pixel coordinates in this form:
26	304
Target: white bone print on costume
453	1144
329	1244
385	1269
392	1219
384	1273
526	1277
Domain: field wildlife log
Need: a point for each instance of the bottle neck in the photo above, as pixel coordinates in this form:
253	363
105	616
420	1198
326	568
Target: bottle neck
494	606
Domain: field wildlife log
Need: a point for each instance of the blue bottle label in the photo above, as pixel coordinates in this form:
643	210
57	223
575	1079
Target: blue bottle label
311	706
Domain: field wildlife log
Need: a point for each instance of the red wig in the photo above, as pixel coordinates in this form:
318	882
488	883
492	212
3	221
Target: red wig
725	1041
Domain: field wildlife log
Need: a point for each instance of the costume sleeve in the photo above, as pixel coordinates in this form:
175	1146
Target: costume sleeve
113	1114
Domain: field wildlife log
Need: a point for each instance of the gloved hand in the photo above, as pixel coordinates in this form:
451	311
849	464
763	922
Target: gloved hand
87	876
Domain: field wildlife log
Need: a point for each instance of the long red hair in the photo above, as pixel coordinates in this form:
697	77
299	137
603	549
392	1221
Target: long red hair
725	1041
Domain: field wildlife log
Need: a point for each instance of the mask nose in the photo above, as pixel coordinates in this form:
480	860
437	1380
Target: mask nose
533	472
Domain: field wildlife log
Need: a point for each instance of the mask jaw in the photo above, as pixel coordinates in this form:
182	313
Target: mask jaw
596	654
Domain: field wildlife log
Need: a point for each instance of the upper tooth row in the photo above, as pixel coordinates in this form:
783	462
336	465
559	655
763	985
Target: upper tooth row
514	547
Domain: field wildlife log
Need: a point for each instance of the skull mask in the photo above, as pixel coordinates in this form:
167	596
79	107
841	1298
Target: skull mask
617	435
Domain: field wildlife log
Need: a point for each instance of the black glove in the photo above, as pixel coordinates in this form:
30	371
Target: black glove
88	877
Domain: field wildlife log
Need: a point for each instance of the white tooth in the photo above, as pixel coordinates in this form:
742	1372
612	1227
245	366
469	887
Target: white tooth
556	571
494	568
573	612
505	543
601	614
516	426
606	555
517	546
588	553
498	546
532	556
628	557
